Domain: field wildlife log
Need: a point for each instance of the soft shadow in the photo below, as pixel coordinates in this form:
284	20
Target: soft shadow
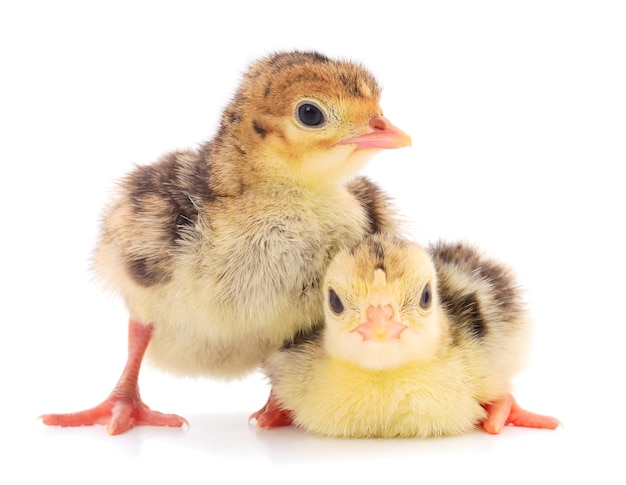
229	435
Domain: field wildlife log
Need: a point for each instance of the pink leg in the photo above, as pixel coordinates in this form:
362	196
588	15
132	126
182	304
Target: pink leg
124	408
506	411
271	415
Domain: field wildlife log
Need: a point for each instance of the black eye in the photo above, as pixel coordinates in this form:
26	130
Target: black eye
427	296
335	302
309	114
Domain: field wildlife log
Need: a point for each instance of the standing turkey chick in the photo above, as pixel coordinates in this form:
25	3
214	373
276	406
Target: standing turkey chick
416	343
218	253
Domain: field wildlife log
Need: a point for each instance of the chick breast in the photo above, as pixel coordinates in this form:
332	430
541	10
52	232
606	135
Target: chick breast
336	398
225	286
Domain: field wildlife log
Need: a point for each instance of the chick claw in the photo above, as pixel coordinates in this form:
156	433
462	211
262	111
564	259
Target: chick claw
506	411
271	415
119	414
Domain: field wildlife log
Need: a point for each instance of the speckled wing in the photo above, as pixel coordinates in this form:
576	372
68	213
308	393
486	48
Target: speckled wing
480	295
158	206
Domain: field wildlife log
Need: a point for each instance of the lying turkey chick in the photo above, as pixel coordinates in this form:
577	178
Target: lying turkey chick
417	343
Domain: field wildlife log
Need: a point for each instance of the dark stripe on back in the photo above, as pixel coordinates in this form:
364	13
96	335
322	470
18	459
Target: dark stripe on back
304	337
375	203
465	312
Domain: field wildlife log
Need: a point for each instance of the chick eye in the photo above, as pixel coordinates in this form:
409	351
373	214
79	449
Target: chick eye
427	296
310	114
335	302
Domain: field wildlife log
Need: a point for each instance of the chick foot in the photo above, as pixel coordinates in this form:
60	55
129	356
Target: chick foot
271	415
506	411
119	413
124	408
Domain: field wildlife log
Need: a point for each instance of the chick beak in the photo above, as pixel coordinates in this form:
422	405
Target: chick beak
380	325
383	135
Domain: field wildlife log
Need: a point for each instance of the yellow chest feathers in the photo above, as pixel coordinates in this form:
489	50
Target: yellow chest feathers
417	400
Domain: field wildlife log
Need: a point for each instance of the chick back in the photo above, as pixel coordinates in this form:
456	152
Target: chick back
486	311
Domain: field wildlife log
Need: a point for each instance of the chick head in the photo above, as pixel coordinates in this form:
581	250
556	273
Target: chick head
381	304
310	118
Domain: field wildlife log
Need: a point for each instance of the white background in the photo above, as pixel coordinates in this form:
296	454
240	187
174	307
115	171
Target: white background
518	117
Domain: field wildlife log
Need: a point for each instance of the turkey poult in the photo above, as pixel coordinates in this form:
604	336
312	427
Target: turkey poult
417	343
219	252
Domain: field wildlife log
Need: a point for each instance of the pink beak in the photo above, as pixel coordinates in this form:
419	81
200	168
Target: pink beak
380	325
383	135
